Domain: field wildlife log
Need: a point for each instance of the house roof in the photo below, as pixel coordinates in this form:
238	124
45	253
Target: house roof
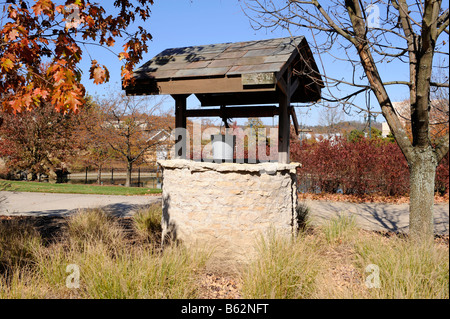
231	73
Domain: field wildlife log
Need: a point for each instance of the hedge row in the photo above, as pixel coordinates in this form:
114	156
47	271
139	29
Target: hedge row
365	166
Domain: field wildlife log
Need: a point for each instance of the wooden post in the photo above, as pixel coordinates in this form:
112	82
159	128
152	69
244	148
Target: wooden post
180	126
284	120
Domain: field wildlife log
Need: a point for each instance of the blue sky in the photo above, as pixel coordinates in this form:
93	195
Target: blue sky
178	23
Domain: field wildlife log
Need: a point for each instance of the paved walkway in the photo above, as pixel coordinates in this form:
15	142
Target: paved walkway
374	216
44	204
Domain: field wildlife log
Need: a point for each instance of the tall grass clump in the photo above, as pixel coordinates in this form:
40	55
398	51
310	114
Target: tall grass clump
340	228
94	226
137	273
285	268
147	222
302	217
18	243
110	266
407	270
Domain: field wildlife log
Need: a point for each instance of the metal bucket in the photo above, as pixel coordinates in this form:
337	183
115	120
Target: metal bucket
223	147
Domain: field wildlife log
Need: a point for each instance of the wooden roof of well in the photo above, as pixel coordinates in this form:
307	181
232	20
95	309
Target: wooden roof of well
232	73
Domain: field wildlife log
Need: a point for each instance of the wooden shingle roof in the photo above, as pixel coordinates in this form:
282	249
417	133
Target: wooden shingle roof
231	73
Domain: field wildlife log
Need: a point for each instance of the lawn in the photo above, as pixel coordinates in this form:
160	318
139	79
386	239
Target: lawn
19	186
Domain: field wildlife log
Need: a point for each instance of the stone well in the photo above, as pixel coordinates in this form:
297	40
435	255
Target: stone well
227	206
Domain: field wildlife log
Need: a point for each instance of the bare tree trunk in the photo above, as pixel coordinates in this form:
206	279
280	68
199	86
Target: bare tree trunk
422	179
129	170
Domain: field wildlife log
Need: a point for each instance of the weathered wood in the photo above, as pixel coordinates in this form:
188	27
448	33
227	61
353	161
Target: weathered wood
294	86
284	121
258	68
180	125
207	85
282	86
258	78
283	130
236	112
294	119
220	70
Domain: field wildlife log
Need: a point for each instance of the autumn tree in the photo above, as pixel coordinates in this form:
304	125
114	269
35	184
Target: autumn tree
40	141
367	35
96	150
131	125
35	32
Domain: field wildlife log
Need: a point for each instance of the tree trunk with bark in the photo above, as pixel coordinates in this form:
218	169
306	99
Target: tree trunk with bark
129	171
99	175
422	181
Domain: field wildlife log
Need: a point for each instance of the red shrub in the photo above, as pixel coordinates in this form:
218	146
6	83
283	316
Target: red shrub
442	178
362	167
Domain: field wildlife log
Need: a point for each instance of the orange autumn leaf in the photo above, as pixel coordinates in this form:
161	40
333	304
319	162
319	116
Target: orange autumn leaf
35	32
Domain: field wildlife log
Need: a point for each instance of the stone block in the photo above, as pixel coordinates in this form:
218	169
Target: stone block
227	206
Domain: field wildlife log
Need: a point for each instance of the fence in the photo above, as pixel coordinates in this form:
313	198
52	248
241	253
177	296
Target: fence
140	177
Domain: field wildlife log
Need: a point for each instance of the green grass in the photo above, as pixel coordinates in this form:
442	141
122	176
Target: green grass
16	186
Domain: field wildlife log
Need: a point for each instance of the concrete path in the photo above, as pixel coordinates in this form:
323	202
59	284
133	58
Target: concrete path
373	216
44	204
376	216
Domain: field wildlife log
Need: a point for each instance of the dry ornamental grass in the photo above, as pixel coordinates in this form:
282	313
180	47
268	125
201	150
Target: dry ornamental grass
122	258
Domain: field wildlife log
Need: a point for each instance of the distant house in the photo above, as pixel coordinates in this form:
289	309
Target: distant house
321	136
438	115
164	143
385	130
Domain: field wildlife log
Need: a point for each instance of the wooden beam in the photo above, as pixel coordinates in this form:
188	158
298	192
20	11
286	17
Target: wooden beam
294	86
282	86
236	112
212	85
284	121
294	119
180	125
283	130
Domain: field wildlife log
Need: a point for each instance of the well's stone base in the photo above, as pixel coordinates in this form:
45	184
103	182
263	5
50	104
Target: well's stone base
227	206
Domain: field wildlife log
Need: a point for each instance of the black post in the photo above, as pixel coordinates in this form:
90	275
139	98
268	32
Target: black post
112	175
139	177
85	179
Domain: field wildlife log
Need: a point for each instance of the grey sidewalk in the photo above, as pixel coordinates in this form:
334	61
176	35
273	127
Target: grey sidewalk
44	204
373	216
376	216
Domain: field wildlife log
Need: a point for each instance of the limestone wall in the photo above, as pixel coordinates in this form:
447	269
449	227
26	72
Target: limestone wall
227	206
